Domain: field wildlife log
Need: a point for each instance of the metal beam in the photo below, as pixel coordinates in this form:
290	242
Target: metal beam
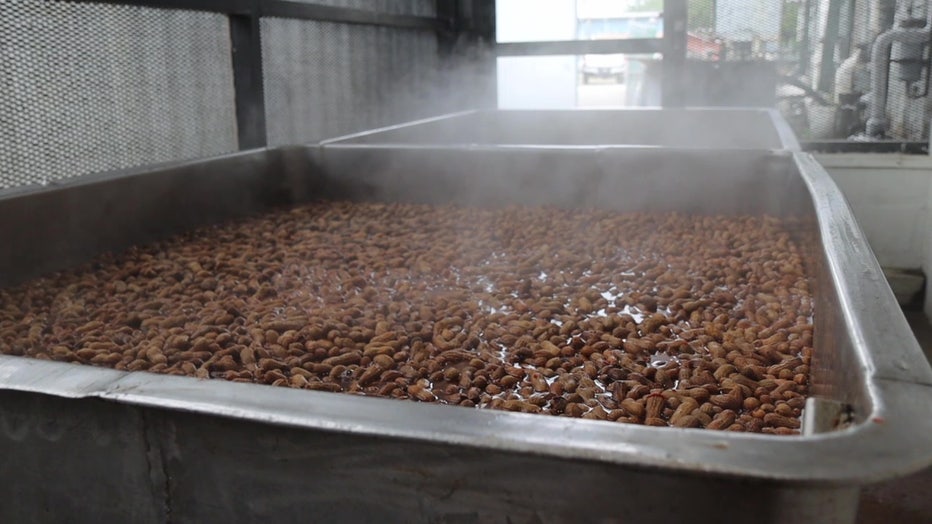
484	14
580	47
829	41
245	36
673	88
214	6
803	20
449	15
287	9
875	146
344	15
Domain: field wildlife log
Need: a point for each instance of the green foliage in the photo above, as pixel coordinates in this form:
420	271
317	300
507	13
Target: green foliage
790	23
646	5
701	14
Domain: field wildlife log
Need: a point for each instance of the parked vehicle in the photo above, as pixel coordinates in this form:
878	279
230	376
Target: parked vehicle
603	66
613	25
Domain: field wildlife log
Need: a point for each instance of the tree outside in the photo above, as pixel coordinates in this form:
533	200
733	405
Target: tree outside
701	12
645	5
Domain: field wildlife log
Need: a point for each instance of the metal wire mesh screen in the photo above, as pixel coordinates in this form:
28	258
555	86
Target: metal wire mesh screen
395	7
324	79
90	87
734	29
811	58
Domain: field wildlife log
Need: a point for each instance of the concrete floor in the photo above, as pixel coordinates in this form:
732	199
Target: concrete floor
907	500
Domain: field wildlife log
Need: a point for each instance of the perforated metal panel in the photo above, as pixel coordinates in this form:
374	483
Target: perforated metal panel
324	79
92	87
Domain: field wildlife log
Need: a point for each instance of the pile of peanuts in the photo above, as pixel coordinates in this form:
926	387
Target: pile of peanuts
656	319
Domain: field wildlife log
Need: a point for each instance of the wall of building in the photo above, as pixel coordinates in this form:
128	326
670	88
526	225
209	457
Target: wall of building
891	197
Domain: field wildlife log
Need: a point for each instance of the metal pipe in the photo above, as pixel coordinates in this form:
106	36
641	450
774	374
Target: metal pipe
880	67
928	17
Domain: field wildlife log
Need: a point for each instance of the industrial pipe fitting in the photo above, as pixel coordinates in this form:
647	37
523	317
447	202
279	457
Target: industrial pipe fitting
880	60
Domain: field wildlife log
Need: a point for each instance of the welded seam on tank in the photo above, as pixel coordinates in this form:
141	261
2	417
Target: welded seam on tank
156	465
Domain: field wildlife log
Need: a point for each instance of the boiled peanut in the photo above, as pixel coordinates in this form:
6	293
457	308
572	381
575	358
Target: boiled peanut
531	307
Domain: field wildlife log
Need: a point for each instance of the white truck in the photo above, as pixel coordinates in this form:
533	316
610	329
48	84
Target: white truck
603	66
601	21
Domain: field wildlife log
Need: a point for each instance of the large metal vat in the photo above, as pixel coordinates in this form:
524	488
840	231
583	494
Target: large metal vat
90	444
